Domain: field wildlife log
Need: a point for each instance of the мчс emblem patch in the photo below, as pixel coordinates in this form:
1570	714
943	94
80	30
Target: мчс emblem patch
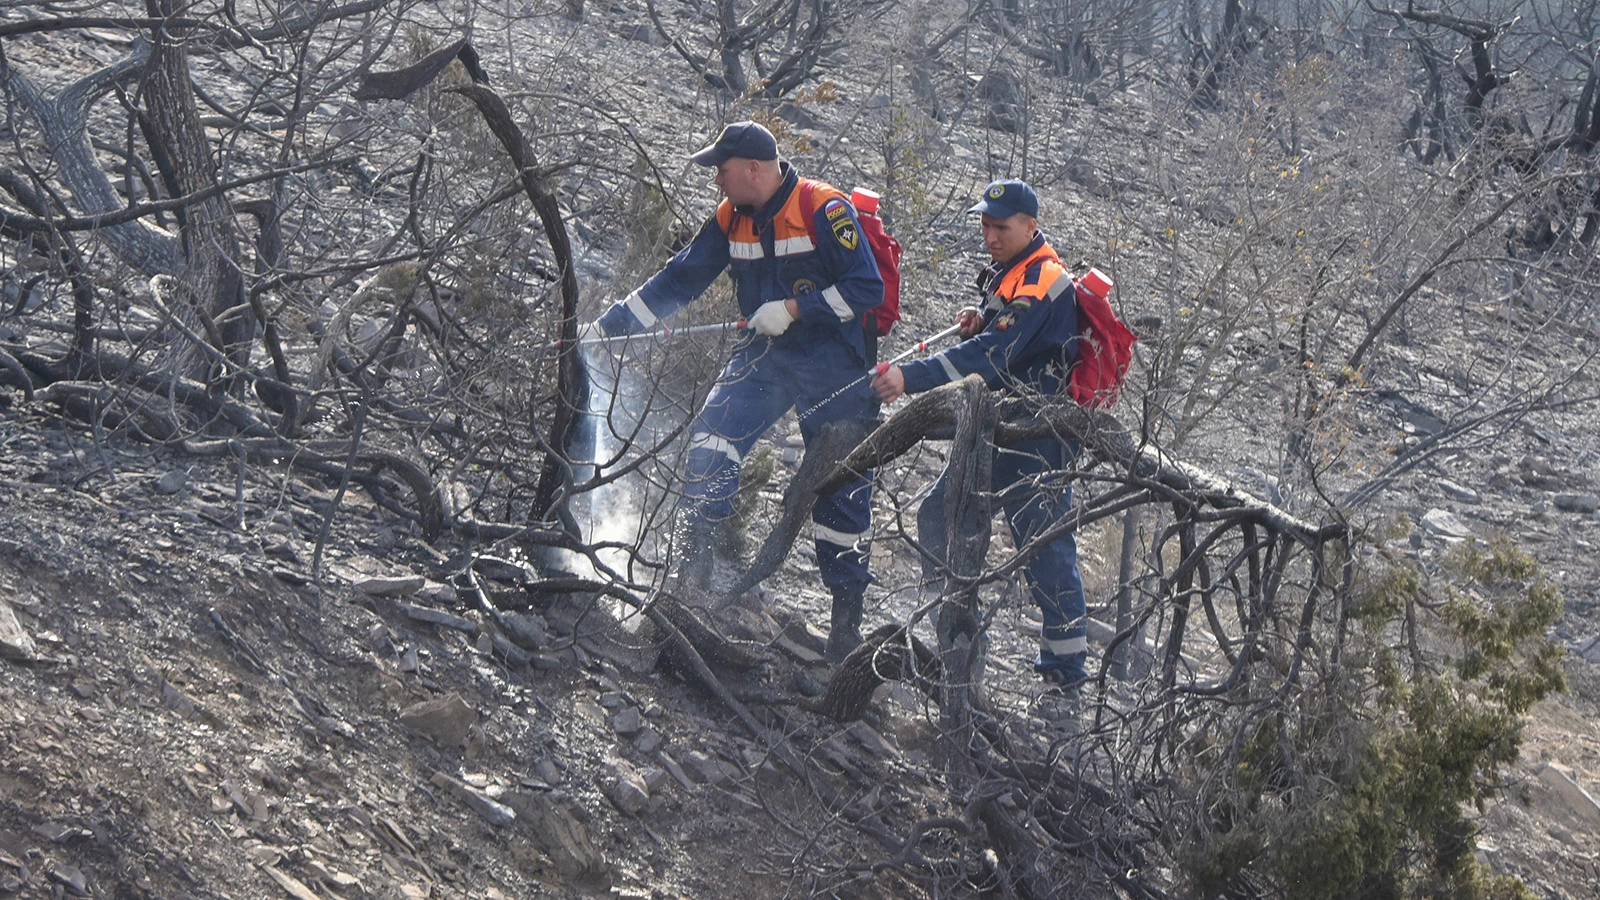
835	209
844	231
1004	321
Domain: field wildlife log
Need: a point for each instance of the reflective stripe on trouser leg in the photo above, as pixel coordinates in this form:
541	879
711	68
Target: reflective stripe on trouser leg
1056	585
842	525
748	397
842	521
711	475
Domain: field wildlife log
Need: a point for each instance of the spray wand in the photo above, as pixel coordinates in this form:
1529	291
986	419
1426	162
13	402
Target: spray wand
659	334
883	367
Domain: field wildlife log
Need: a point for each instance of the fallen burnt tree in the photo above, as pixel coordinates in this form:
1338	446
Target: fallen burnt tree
1261	628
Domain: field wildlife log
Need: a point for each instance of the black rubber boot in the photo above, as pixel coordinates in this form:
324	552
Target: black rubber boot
844	632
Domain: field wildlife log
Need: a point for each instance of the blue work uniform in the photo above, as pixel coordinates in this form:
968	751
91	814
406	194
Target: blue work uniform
1027	346
827	267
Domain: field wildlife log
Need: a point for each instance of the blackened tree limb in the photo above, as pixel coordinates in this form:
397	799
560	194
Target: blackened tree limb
1095	429
837	439
65	250
401	83
570	377
64	122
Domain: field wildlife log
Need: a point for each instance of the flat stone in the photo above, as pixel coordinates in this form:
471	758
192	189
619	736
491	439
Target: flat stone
709	769
291	885
1560	779
675	770
627	721
513	655
875	743
70	877
654	778
390	585
57	833
648	740
171	481
801	654
289	576
1590	649
1459	492
560	829
626	790
446	719
487	808
1578	503
436	617
1446	524
15	643
527	630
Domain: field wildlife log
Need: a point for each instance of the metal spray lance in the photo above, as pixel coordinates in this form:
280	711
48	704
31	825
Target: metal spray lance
659	334
883	367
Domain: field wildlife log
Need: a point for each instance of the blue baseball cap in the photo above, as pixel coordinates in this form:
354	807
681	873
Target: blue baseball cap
1004	199
745	140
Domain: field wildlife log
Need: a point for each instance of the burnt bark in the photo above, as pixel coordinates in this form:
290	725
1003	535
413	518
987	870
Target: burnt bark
211	279
837	439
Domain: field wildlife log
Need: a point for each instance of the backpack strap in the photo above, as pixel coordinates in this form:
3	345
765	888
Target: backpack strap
808	208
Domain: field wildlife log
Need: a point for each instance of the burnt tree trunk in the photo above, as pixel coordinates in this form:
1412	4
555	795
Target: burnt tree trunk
211	280
967	512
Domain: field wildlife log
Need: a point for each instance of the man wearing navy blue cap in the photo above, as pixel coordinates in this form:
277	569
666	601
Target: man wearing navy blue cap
1021	340
803	276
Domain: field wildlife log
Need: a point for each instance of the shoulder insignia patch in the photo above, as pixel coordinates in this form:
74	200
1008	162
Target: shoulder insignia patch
1021	304
1004	321
835	209
844	231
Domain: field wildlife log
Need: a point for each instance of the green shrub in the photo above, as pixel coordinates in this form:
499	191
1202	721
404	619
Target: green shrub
1363	785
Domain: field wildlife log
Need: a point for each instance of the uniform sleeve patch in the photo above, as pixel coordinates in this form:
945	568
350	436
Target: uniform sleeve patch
1021	304
835	209
844	231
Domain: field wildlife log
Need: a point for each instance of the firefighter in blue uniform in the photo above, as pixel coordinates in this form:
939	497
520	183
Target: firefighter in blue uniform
803	288
1020	341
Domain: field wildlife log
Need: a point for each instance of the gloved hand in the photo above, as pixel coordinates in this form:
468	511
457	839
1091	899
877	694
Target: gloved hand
771	318
589	331
970	318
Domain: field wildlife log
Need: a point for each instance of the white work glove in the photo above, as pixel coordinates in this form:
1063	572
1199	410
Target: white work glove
771	318
588	331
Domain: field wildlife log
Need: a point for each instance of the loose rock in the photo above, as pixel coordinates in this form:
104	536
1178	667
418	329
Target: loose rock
627	721
491	810
626	790
390	586
1578	503
15	643
1459	492
446	719
1446	524
1561	779
172	481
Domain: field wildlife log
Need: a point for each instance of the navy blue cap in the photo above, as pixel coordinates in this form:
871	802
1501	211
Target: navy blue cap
1004	199
745	140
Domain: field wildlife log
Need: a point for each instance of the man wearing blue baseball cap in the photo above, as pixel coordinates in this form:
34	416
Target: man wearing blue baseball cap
1020	340
803	276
